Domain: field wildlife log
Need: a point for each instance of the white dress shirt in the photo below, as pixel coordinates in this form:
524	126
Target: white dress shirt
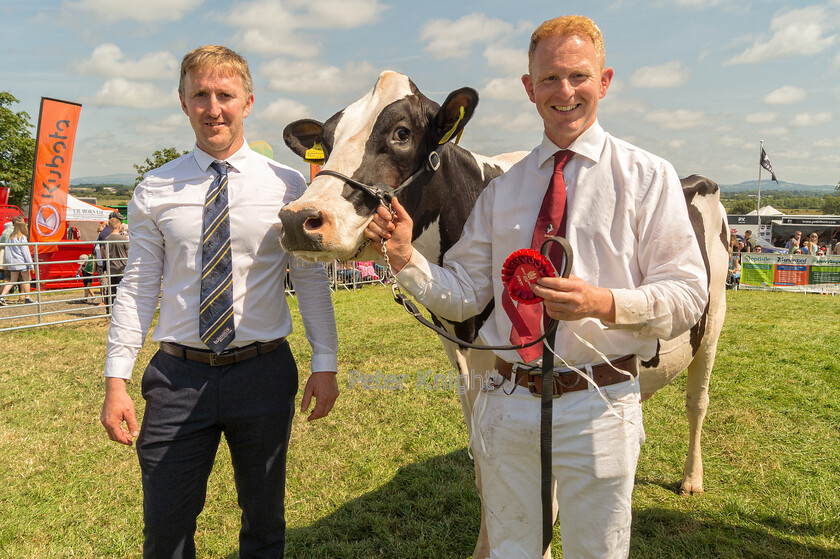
628	225
165	217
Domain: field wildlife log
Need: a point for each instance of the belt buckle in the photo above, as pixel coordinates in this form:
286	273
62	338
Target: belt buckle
532	384
212	358
559	386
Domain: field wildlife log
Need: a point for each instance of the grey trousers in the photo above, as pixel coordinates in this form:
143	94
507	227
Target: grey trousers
188	407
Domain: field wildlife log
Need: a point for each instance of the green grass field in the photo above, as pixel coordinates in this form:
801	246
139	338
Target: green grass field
387	473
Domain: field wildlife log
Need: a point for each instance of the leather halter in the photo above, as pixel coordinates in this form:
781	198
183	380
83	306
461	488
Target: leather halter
383	193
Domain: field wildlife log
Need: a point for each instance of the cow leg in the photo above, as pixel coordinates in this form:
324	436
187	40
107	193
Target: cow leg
472	365
697	393
696	404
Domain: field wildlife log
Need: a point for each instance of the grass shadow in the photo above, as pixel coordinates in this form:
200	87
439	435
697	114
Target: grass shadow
665	533
430	509
670	486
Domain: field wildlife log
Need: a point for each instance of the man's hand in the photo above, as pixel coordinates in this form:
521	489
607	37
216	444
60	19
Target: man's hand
396	229
118	407
324	386
573	299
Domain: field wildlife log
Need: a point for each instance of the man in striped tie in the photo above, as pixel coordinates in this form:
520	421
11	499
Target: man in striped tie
204	238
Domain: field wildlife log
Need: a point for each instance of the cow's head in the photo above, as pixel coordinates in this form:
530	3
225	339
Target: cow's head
381	139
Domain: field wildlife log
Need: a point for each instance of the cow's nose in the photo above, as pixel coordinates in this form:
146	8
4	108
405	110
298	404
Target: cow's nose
303	229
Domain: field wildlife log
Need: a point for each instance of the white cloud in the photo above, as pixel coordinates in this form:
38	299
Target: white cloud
445	38
107	60
761	118
508	89
678	119
702	3
777	131
308	78
795	33
120	92
147	11
277	28
340	14
831	143
734	142
670	74
786	95
512	120
284	111
275	44
513	62
175	122
617	85
811	119
614	104
281	17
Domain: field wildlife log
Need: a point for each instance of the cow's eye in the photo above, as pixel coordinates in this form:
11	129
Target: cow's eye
402	134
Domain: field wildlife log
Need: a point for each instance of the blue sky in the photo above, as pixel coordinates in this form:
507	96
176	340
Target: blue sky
699	82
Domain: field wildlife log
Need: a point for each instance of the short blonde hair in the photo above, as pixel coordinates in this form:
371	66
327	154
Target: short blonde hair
222	58
568	26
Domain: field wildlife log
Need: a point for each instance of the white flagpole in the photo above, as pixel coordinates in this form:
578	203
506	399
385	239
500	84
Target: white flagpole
758	203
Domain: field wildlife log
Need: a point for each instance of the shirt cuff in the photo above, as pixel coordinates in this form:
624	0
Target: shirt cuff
631	309
416	274
324	362
120	367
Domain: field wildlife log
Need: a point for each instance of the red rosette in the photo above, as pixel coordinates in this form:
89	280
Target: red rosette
521	270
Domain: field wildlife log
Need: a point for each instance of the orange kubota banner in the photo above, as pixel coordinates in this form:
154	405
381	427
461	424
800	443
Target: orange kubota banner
57	124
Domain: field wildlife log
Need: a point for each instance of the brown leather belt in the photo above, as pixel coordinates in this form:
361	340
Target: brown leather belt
604	374
236	355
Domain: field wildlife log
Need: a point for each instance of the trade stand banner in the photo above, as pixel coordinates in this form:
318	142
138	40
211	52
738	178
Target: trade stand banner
790	272
57	124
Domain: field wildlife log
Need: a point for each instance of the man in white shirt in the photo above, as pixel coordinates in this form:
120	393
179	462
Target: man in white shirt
638	275
245	387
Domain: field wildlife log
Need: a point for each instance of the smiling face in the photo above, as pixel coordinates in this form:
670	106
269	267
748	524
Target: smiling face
217	104
565	83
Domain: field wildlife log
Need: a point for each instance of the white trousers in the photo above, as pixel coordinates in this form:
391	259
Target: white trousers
594	459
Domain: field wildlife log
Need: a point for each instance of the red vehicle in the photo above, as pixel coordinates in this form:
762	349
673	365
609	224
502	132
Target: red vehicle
7	212
82	222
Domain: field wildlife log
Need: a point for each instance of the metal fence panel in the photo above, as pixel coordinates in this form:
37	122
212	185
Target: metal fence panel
61	298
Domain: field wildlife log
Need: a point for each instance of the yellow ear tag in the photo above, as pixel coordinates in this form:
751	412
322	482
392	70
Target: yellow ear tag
449	134
315	154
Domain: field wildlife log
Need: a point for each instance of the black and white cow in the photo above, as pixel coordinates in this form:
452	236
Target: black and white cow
384	137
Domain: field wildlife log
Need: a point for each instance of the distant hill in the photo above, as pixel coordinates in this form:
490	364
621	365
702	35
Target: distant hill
125	179
752	186
746	186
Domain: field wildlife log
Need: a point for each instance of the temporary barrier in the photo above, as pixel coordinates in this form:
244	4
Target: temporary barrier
57	298
818	274
58	293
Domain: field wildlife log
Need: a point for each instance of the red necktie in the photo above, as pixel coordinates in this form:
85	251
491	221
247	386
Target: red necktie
551	222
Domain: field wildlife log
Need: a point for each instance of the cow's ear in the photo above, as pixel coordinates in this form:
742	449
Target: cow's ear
454	114
302	135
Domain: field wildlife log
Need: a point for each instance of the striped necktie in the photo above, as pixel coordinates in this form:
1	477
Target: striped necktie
215	317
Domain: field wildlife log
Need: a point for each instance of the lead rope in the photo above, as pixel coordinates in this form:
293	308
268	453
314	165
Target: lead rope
382	240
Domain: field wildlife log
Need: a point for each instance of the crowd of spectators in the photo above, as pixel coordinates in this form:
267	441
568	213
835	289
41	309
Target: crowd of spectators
810	245
104	264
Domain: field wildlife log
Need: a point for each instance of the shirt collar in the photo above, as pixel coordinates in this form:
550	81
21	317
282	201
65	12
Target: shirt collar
590	144
236	161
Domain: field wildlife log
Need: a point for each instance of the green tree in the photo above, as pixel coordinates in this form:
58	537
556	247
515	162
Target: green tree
831	202
157	159
17	150
740	206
